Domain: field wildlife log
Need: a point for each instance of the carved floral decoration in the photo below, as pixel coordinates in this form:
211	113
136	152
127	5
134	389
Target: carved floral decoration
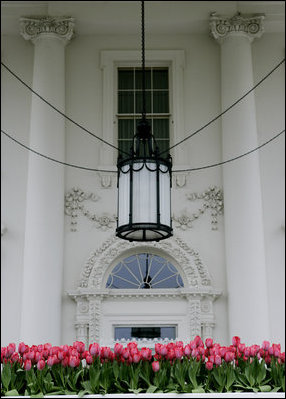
213	201
74	206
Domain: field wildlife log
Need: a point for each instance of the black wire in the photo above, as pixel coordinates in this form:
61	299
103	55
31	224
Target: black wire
232	159
112	171
61	113
175	145
53	159
223	112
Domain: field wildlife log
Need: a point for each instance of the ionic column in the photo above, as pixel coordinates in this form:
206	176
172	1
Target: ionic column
244	235
44	231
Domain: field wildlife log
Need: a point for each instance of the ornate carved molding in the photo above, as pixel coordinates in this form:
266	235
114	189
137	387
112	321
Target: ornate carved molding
94	319
74	205
31	28
195	317
213	201
196	273
248	25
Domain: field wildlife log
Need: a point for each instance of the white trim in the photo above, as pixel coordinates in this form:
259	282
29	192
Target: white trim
110	60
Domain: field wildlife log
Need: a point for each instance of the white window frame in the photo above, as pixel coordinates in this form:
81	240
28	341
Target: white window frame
110	61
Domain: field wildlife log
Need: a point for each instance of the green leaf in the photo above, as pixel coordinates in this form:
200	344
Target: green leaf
200	389
13	392
38	395
6	376
115	370
265	388
151	389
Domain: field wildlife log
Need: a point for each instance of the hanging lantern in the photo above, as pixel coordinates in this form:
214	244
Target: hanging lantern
144	182
144	190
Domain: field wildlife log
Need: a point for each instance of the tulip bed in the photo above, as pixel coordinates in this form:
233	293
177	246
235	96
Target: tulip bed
196	367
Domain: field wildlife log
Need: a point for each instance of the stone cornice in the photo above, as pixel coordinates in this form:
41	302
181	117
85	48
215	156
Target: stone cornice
104	293
31	28
246	25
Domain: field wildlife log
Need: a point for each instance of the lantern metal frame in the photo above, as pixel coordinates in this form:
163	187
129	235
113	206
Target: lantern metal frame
144	156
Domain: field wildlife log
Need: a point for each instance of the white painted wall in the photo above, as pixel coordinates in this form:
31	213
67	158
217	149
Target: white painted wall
84	104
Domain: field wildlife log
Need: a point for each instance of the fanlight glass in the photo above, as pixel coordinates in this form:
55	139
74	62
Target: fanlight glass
144	271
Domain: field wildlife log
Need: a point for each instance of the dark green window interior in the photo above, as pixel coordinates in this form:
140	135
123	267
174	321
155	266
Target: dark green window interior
130	105
150	332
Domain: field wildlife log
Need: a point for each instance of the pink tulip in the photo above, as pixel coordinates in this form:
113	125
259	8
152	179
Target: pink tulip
229	357
217	360
79	346
27	364
73	361
94	349
89	359
265	345
136	358
209	342
22	348
15	357
164	350
187	350
155	366
235	341
118	349
209	365
65	361
11	349
38	356
178	353
41	364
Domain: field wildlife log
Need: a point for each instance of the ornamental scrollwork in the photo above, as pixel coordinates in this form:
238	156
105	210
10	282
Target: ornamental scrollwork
61	27
250	25
213	201
74	205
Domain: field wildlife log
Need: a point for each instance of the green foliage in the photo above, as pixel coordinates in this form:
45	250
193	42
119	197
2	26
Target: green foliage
180	376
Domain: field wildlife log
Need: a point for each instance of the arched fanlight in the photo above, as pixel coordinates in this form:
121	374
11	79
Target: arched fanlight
144	183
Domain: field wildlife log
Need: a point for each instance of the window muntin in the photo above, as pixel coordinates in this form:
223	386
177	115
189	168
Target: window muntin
144	271
130	105
139	332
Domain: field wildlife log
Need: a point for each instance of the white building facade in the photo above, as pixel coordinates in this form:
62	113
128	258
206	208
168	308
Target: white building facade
69	76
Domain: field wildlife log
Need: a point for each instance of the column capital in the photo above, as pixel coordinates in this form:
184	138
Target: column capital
35	27
246	25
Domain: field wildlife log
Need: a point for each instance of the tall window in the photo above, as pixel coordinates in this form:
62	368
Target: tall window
130	105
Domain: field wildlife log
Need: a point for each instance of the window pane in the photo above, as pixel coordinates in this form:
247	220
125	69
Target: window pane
126	102
138	79
150	332
125	79
139	102
160	102
126	129
161	128
144	271
160	79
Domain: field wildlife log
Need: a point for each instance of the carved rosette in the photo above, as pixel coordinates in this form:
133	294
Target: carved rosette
247	25
31	28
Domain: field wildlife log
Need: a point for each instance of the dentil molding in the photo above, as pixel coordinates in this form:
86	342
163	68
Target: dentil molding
246	25
31	28
212	202
74	206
